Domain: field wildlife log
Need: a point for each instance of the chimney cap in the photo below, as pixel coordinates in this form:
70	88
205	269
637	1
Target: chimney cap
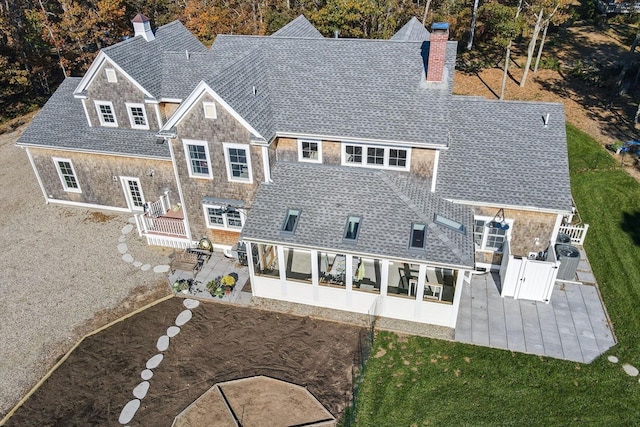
140	18
440	26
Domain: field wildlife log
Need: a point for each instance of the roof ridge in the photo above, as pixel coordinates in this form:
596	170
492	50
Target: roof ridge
421	214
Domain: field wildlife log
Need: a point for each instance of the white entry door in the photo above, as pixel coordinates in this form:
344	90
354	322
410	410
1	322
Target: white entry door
133	193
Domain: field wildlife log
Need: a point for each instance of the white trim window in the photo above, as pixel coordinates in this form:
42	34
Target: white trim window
375	156
198	158
238	160
223	217
111	75
309	151
210	110
137	116
67	175
106	113
489	238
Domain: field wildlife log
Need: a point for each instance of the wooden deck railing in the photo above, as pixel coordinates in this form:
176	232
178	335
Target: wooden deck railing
161	225
160	206
576	232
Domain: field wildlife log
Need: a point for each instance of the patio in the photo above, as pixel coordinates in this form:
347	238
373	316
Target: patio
573	326
218	265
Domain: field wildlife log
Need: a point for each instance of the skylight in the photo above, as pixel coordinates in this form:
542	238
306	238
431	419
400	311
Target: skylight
291	221
444	221
418	236
352	228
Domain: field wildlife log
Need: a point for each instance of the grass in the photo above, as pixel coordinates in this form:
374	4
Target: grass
418	381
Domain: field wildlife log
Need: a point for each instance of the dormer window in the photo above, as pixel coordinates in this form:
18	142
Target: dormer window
418	236
111	75
449	223
291	221
106	114
352	228
137	116
209	110
309	151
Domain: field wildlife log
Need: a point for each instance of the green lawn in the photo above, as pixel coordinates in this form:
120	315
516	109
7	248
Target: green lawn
418	381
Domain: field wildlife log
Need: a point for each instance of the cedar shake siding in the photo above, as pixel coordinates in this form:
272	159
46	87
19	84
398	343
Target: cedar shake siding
223	129
118	93
422	160
95	173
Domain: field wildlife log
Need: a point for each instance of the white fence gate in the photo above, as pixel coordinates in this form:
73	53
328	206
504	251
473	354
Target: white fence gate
529	279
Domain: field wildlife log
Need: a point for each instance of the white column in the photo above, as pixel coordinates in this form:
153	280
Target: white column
252	273
457	294
556	229
265	164
434	177
282	267
348	278
384	277
315	276
422	274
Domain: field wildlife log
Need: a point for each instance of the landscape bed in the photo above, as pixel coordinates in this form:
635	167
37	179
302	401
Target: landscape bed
220	343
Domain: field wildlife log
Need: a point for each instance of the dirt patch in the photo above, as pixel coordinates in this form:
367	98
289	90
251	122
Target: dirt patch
220	343
98	217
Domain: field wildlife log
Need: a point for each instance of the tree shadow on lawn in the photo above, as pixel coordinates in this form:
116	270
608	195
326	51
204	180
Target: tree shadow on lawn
631	225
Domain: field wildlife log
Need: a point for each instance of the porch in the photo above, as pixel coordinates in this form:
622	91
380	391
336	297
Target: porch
573	326
162	224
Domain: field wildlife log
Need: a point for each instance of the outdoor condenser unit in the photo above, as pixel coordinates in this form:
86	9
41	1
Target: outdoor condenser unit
569	257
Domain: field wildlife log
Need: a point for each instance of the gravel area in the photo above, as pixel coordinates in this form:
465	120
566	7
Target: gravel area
61	274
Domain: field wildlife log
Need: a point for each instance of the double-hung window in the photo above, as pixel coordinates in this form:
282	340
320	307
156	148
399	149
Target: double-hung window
106	113
238	160
137	116
375	156
309	151
222	217
67	175
198	159
486	237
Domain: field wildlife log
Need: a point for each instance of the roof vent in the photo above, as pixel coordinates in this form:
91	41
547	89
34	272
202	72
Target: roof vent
545	120
187	53
142	27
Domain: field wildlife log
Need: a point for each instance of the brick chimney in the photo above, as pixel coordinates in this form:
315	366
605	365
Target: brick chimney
437	52
142	27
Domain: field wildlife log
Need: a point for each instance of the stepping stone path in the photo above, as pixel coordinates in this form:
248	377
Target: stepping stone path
630	370
128	258
140	391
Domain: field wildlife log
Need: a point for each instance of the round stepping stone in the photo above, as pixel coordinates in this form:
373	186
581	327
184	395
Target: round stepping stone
632	371
127	258
146	374
137	264
172	331
154	361
127	229
145	267
122	248
612	359
129	411
183	317
160	268
141	390
163	343
132	220
191	303
122	238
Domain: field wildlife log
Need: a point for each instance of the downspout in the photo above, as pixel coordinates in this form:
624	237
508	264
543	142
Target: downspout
33	165
184	206
265	164
435	171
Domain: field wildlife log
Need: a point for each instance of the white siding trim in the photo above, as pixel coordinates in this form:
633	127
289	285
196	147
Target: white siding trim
185	215
35	170
265	164
86	112
436	161
156	106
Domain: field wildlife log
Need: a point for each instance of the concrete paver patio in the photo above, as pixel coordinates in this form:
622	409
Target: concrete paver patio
573	326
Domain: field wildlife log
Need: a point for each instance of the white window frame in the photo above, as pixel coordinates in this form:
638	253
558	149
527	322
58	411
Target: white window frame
485	234
186	143
212	105
131	105
363	162
225	219
127	193
101	117
301	158
226	146
61	175
112	77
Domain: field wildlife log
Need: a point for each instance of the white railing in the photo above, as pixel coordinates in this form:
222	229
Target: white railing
160	225
577	233
160	206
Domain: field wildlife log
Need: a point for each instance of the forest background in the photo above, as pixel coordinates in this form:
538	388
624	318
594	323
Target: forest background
42	41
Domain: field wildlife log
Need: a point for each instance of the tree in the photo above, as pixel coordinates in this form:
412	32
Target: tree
507	56
472	30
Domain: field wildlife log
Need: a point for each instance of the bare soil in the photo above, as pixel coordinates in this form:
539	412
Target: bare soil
220	343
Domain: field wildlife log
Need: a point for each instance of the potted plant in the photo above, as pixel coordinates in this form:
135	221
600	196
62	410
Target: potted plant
181	286
215	287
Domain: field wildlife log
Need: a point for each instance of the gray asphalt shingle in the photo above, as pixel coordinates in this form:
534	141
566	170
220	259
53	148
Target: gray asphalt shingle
299	27
412	31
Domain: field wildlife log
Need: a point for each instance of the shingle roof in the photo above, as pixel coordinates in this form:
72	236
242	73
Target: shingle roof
299	27
62	124
362	89
327	195
501	153
412	31
143	60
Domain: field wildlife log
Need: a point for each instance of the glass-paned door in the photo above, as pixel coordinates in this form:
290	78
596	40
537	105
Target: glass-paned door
133	193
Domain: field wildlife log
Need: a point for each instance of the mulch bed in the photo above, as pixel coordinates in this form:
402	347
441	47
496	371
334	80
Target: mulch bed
220	343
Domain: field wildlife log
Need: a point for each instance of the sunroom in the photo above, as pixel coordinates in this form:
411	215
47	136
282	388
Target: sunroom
310	241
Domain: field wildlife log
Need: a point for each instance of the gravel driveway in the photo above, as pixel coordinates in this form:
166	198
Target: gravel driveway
61	274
